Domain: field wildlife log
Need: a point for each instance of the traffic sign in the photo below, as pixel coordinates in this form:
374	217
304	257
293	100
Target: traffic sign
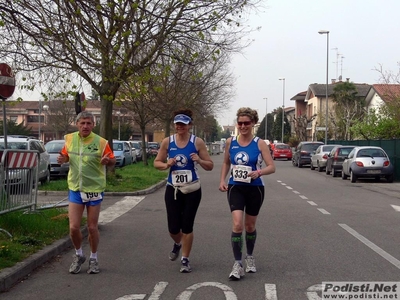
320	128
7	81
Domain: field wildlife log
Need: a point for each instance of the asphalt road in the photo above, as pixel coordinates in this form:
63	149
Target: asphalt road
311	229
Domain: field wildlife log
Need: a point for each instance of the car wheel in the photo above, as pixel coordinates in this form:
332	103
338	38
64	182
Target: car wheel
353	177
273	157
344	176
298	164
319	169
293	162
327	172
123	163
390	178
311	166
45	179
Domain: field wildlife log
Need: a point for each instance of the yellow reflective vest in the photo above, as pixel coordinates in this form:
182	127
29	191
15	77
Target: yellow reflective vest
86	174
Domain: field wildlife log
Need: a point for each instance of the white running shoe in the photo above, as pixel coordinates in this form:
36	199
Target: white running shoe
250	264
237	272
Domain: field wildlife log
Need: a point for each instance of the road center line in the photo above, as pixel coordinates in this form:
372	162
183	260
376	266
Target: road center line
303	197
324	211
312	203
371	245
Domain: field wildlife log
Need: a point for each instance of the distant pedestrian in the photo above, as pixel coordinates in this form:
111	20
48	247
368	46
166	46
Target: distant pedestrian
243	160
88	155
182	152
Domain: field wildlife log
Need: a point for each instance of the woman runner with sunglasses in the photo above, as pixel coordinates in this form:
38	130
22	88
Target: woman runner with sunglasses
243	158
182	153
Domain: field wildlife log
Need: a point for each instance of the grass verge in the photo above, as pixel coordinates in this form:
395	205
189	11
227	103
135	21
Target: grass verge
130	178
33	231
30	233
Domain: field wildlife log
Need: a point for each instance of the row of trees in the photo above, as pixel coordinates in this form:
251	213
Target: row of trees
151	56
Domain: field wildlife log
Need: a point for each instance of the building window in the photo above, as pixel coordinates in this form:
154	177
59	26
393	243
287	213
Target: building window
34	119
14	119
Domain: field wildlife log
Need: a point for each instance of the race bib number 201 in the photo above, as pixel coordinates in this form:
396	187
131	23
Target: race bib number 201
86	197
241	173
181	177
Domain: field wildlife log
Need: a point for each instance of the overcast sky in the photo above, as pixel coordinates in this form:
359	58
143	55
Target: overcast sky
365	32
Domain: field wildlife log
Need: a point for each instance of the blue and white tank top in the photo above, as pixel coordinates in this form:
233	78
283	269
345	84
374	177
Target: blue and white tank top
244	160
185	169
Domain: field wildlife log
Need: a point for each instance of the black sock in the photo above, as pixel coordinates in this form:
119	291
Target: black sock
251	241
237	243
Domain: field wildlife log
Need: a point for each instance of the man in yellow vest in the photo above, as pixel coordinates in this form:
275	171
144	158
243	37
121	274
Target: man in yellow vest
88	155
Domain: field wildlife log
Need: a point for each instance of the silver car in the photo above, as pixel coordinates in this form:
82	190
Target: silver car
367	162
53	148
319	157
21	176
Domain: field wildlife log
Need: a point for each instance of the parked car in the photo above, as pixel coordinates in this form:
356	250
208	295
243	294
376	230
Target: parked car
302	154
319	157
22	176
282	151
123	153
133	152
367	162
137	145
53	148
152	148
336	158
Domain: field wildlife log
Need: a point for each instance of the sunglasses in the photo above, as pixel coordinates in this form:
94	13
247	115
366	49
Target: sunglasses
246	123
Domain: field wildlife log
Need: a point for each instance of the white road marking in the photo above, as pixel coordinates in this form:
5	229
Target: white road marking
158	290
371	245
289	188
228	292
296	192
283	183
270	292
119	208
324	211
396	207
312	203
303	197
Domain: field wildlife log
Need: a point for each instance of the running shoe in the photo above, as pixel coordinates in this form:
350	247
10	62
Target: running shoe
77	262
237	272
185	267
93	266
250	264
173	255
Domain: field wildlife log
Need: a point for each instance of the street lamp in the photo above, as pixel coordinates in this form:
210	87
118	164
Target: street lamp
45	108
283	106
326	87
266	118
119	125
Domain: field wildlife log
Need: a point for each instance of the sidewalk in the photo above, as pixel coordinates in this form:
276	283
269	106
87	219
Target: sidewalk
10	276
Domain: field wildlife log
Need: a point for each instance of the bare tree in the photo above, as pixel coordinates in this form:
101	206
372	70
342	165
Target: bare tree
106	42
60	116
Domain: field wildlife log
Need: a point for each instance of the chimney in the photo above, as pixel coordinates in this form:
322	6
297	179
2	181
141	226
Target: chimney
333	81
347	79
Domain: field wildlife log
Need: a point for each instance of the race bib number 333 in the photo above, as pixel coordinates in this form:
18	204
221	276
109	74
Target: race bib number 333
241	173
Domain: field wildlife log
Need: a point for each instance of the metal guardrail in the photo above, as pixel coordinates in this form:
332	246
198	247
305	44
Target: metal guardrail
18	175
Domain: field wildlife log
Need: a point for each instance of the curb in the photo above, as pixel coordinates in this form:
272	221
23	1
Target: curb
10	276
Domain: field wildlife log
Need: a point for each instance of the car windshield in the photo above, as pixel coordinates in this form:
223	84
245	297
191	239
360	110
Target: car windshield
282	147
117	146
310	147
15	145
135	145
327	148
54	147
370	153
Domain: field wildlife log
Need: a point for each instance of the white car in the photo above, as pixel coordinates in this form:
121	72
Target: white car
20	176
